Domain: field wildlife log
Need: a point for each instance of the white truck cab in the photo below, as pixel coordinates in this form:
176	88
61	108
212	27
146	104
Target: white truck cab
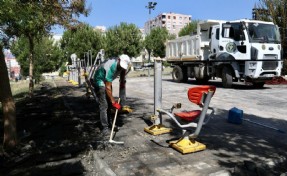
241	50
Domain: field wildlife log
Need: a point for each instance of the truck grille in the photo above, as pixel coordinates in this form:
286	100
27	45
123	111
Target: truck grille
269	65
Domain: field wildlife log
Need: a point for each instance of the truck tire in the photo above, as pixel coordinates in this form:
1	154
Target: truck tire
258	85
179	74
226	77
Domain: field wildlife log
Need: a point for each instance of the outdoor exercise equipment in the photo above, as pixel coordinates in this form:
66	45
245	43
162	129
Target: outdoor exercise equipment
201	96
88	77
157	128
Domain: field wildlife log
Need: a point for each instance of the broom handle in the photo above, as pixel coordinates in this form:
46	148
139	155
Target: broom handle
114	122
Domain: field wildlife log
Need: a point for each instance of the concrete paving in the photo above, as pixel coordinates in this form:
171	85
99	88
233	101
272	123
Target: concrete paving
231	148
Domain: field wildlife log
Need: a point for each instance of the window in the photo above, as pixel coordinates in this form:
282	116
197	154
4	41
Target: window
217	34
232	30
174	17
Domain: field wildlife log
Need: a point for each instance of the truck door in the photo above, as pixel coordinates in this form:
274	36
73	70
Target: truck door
215	34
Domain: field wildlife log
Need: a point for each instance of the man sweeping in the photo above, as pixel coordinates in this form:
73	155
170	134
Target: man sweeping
103	78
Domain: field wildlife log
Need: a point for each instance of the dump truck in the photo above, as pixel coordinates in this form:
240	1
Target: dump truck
247	51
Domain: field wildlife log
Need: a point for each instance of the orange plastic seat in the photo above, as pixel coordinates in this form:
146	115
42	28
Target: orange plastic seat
188	115
196	95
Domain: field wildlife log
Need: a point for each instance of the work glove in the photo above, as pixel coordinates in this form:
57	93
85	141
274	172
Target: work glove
116	105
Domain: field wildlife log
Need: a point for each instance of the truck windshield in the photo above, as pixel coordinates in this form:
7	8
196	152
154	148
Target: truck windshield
263	33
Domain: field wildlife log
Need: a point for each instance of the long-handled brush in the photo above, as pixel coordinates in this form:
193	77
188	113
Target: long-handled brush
114	122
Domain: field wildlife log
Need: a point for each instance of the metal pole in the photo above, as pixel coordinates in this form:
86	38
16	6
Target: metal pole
79	71
91	56
151	5
88	58
157	88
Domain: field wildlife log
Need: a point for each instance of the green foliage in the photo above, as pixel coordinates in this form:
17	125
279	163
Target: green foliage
125	38
35	18
171	36
155	41
62	70
81	40
166	64
47	56
20	49
189	29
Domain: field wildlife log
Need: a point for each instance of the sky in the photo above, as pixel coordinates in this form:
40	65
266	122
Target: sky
110	13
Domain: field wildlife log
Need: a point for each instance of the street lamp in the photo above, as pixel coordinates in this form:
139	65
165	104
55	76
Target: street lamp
150	6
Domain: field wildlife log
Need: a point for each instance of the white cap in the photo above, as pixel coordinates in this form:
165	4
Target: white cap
124	61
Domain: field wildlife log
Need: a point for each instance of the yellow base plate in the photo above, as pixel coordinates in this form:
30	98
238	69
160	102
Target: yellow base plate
126	109
75	83
157	129
187	146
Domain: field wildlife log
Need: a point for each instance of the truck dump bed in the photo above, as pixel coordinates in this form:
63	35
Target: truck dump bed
191	47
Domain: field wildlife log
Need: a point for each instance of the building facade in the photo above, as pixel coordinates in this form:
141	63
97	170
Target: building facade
12	65
173	22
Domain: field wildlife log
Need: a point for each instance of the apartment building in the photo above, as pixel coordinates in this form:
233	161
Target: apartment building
12	65
173	22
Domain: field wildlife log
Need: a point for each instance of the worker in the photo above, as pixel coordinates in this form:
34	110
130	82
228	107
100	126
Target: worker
103	77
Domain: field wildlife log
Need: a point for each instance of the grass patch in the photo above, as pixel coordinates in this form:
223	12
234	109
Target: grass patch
19	87
138	73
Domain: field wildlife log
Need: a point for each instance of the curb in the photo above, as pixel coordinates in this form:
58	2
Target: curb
101	166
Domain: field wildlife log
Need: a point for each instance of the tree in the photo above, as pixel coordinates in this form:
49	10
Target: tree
189	29
8	105
275	11
125	38
32	19
155	41
81	40
48	56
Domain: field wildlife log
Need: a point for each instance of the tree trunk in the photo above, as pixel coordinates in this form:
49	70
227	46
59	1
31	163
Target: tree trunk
8	105
31	67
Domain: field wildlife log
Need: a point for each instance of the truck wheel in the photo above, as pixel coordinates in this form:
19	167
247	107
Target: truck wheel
258	85
178	75
226	77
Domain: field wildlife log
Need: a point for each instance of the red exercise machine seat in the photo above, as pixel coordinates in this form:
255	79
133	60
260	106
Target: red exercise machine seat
197	96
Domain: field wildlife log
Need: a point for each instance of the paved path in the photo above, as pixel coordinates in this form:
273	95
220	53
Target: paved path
230	147
61	134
